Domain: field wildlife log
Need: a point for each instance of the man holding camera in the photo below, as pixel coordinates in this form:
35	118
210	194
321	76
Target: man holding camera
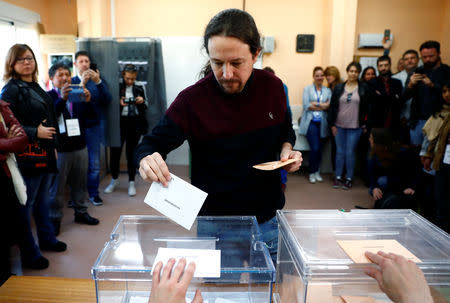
72	158
424	86
89	76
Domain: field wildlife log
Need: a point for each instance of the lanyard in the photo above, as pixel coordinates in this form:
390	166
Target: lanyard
317	94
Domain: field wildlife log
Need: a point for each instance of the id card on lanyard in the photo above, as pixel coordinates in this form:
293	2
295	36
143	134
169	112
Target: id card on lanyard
73	126
317	115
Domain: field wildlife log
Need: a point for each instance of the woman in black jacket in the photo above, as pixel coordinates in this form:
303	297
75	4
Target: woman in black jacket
346	117
34	109
133	124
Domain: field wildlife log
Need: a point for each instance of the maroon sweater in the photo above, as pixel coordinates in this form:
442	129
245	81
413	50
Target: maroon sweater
227	135
9	145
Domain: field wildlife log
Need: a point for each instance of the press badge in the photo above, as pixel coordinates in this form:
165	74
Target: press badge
447	154
73	127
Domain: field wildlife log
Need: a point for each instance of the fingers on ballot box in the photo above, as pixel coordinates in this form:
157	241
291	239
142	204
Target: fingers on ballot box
321	254
232	262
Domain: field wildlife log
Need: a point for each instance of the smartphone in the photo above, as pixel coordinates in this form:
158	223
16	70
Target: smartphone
77	93
387	34
93	66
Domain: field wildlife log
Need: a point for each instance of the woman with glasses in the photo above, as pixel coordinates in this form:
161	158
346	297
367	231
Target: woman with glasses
346	117
313	124
34	110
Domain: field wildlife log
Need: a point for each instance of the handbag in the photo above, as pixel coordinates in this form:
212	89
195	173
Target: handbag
18	182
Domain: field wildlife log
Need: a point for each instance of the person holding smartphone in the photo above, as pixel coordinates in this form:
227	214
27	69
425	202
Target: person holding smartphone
133	124
100	96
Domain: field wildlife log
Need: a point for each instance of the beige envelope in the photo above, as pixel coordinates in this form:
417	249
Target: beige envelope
355	249
273	165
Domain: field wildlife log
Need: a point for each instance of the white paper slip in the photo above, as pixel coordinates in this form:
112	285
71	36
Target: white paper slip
207	261
180	201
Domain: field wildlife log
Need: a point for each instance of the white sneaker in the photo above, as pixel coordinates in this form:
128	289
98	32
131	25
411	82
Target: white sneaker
131	189
312	178
318	177
110	188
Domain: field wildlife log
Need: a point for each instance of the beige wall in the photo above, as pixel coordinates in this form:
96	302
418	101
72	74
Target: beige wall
445	35
410	21
94	18
332	23
57	16
167	17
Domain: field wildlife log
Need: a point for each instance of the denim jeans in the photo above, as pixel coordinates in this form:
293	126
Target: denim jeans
38	192
415	134
346	141
93	139
316	146
269	231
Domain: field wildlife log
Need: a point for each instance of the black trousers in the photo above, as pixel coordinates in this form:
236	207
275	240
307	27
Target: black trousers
442	197
129	134
9	223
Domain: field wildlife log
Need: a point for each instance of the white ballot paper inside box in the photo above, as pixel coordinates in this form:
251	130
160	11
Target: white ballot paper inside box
207	261
179	201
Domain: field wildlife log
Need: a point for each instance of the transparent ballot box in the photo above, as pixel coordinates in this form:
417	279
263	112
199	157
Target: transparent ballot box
122	272
313	268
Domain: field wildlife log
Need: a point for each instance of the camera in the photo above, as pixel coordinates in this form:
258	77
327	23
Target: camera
130	100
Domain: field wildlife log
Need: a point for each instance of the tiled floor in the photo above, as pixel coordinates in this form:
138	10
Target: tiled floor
85	242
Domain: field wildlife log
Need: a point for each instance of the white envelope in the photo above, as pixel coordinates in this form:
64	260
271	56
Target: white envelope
179	201
207	261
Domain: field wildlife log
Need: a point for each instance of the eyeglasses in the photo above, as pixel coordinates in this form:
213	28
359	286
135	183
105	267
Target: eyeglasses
22	60
349	97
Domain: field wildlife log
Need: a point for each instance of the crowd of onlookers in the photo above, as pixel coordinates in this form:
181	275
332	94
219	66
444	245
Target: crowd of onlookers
56	138
393	127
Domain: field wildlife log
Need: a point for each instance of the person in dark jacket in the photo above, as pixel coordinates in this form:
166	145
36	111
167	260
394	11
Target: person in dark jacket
385	99
346	117
33	108
12	139
133	124
424	85
72	152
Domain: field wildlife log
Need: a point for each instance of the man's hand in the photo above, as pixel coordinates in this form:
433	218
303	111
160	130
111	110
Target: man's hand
44	132
139	100
415	78
377	193
426	162
121	102
334	131
400	279
95	76
14	131
288	153
65	90
153	168
172	287
427	81
409	191
87	95
387	43
90	75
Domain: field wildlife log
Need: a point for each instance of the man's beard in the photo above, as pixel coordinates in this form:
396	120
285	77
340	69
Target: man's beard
430	65
224	84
